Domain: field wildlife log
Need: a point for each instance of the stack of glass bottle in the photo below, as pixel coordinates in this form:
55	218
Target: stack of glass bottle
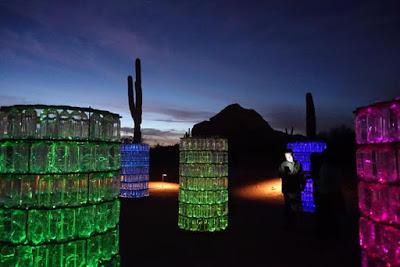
378	169
302	152
203	184
134	170
59	186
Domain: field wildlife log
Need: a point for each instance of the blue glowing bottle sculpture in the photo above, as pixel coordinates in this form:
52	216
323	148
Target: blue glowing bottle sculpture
302	152
134	170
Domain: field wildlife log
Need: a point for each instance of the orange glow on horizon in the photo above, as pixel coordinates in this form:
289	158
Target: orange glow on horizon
268	191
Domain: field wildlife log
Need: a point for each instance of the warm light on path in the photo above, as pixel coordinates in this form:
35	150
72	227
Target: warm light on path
268	191
160	187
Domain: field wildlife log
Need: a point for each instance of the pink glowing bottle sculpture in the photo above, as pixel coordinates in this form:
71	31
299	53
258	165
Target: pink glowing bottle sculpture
361	127
386	164
375	125
366	163
378	163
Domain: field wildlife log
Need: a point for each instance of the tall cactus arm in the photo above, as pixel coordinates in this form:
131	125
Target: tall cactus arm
311	125
131	98
138	70
138	106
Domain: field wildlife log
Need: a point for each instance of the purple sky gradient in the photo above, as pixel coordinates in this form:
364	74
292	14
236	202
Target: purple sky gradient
200	56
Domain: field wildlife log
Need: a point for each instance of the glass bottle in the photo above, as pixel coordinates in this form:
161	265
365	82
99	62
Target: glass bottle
57	193
29	123
107	127
17	222
54	222
20	157
116	129
394	122
65	128
386	164
54	254
4	124
15	194
375	125
70	255
390	247
96	127
366	163
40	157
69	223
85	125
44	190
49	120
93	250
37	226
361	128
84	223
365	198
14	123
14	157
59	157
379	202
86	157
77	124
83	188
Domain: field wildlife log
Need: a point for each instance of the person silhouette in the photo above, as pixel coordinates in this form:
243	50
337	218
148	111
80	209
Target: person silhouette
291	174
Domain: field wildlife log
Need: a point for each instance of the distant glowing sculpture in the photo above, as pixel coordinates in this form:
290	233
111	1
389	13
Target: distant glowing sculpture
378	164
59	186
134	170
203	191
302	152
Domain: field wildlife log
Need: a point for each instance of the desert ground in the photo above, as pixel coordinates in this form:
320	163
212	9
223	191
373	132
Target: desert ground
256	236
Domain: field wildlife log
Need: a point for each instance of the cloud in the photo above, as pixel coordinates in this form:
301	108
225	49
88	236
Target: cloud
179	114
286	116
154	137
73	36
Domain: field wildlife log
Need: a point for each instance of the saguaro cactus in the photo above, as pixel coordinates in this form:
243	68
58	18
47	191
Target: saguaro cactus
311	127
136	108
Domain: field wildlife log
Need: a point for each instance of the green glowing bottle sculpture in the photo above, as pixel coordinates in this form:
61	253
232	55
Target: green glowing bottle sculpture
203	185
59	182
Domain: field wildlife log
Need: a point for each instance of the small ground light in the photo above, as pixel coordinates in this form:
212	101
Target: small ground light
163	178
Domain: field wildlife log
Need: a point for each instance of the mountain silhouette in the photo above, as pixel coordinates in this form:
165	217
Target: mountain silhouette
255	148
226	122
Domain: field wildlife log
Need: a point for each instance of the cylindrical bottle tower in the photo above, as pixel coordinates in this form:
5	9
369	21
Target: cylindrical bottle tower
203	184
378	164
59	186
134	170
302	151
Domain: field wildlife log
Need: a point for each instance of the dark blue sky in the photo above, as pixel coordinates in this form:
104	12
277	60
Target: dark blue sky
199	56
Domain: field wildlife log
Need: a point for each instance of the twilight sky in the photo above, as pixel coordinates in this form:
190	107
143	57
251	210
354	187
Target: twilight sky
199	56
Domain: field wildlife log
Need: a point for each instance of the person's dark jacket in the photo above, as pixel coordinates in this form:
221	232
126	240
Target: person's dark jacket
292	177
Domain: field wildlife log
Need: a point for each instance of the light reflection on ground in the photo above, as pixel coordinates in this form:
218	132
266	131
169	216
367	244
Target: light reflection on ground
160	187
268	190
